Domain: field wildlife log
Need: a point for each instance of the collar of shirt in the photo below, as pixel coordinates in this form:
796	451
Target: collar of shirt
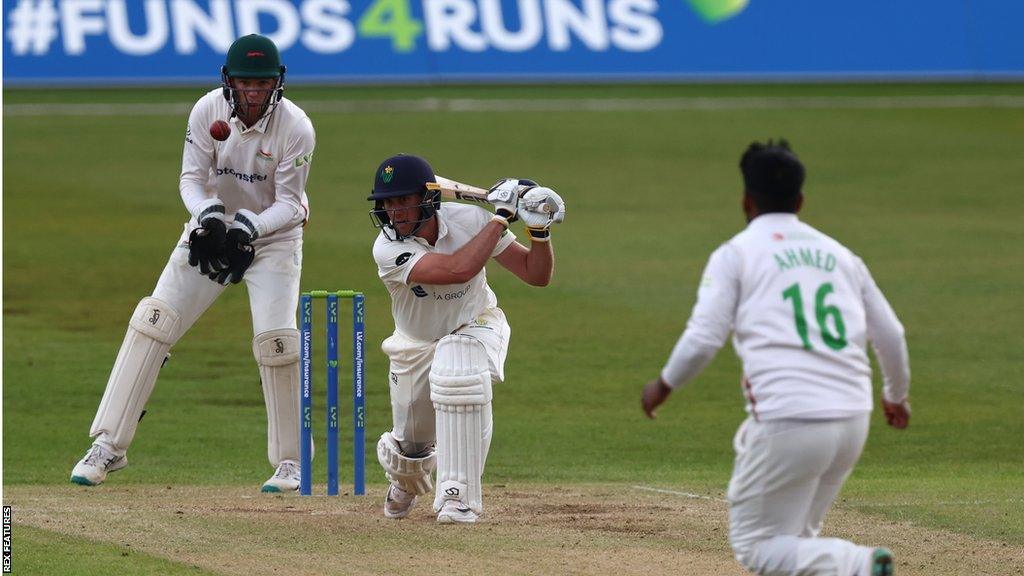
442	227
442	231
260	126
773	219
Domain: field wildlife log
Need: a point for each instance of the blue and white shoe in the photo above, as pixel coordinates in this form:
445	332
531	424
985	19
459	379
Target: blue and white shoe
285	479
92	469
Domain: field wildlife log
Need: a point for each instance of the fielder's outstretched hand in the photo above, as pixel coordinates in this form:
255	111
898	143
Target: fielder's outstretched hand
655	394
897	414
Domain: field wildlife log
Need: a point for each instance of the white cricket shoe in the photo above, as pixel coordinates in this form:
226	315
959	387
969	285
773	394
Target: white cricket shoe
92	469
455	512
398	502
285	479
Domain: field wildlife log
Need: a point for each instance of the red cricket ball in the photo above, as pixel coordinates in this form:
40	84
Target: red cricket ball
220	130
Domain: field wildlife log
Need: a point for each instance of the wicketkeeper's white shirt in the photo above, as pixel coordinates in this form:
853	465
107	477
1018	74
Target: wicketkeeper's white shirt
427	312
262	169
802	309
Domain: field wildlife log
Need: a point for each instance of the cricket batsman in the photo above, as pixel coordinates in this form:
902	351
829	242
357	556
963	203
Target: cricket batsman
244	170
450	337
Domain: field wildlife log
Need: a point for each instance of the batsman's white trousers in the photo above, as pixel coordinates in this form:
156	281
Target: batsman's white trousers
412	411
786	475
273	286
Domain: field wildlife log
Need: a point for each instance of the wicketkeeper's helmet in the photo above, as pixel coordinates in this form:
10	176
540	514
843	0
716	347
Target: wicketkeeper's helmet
252	56
399	176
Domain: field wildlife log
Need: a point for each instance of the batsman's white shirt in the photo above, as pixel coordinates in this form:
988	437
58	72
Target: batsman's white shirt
263	169
427	312
802	308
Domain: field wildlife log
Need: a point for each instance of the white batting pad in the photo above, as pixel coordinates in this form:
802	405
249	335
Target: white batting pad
277	353
460	388
152	330
410	474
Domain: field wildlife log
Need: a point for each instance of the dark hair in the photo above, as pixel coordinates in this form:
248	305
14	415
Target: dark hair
773	176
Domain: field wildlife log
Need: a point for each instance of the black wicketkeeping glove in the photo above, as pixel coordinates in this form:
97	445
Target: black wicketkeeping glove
206	246
240	253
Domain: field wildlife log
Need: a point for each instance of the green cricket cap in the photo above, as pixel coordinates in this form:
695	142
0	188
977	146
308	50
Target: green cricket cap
253	56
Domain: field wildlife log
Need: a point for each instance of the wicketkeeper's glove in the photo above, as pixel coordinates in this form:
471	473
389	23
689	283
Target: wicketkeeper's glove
206	243
238	249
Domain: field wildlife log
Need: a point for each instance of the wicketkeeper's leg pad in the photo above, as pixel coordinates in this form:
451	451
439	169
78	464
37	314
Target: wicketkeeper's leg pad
460	388
277	353
411	474
154	327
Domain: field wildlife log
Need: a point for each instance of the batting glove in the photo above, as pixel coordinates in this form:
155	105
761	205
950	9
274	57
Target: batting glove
505	197
539	208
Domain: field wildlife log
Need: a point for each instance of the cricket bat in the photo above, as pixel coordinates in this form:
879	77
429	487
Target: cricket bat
454	190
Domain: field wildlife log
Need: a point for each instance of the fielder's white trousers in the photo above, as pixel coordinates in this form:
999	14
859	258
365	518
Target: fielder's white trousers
412	411
786	475
273	285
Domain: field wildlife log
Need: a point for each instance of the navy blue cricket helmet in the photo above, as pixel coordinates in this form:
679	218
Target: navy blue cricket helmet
402	175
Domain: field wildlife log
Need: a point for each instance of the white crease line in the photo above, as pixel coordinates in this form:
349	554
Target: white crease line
935	503
549	105
849	504
677	493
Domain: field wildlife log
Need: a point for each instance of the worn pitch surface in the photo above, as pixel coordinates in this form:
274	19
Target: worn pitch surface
528	529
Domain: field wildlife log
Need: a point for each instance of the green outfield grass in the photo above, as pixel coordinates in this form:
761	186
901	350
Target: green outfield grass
930	198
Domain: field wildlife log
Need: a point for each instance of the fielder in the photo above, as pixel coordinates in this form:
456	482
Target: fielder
450	337
247	201
802	309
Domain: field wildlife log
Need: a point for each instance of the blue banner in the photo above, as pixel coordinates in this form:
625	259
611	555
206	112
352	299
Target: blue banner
85	42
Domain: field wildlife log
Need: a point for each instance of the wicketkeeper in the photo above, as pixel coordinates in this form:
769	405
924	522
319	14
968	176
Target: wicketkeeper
247	201
450	337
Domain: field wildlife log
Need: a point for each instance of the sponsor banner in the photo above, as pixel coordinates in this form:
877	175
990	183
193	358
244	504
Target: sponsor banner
168	41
